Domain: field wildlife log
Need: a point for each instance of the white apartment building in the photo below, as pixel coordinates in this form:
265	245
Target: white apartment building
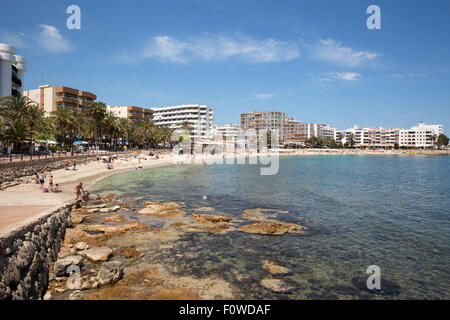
200	117
420	136
230	131
12	69
415	137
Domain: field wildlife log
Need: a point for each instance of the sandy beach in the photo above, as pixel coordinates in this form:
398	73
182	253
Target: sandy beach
24	203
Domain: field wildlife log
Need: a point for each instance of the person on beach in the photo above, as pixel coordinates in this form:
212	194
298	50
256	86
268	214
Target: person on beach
41	180
56	189
74	165
79	190
50	182
66	164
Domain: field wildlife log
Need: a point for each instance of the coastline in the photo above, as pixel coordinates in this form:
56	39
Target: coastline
23	203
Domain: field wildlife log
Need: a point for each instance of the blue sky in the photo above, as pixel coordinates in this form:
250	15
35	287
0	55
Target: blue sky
315	60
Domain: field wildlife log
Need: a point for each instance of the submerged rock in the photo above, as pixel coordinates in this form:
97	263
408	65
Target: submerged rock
161	210
116	219
97	254
129	252
211	218
110	272
205	209
272	227
211	223
274	268
110	197
261	214
276	285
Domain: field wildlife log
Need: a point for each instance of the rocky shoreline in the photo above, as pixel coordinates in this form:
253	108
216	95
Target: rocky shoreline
113	252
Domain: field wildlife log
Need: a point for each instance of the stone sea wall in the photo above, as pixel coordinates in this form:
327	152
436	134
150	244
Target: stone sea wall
27	253
13	171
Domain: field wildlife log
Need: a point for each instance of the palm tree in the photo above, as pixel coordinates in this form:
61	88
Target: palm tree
35	122
187	126
351	140
111	127
125	129
21	117
146	131
69	123
165	134
97	111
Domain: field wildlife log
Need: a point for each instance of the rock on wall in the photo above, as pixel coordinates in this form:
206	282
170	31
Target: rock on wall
27	253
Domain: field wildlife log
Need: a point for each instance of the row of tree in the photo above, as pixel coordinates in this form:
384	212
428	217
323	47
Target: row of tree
22	122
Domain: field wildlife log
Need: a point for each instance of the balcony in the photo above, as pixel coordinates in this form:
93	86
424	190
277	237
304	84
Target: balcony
16	81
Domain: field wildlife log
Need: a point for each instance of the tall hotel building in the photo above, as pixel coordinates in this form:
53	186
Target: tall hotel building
265	120
200	117
49	98
12	69
290	130
132	113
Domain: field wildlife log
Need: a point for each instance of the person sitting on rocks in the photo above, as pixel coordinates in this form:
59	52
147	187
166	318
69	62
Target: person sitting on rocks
85	197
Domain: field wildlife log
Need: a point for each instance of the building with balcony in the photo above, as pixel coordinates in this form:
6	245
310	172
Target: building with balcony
199	117
49	98
231	132
12	69
416	137
132	113
291	131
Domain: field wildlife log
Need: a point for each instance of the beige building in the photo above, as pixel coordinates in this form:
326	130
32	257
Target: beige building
290	129
49	98
133	113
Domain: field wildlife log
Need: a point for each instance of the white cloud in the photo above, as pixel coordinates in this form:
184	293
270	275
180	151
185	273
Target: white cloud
215	47
332	51
51	40
266	95
345	76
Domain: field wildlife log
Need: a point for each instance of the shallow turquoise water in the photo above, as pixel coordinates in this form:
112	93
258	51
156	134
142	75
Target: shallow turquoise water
389	211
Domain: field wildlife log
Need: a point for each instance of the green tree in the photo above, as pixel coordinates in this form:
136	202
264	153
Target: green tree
351	140
442	140
145	132
433	138
97	112
21	118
